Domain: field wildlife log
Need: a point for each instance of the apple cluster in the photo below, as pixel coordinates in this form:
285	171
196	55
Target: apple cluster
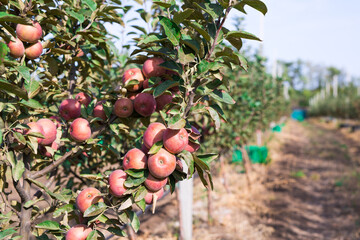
160	163
135	80
30	35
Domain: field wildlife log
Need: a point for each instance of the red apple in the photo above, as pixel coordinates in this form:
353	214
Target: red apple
175	140
162	101
70	109
154	184
151	67
50	131
83	98
123	108
134	159
192	147
161	164
78	232
29	33
133	74
99	111
145	104
116	183
35	128
154	133
150	195
34	51
88	197
45	153
17	48
80	130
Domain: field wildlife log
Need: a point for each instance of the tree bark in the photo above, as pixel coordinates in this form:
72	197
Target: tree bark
25	214
247	166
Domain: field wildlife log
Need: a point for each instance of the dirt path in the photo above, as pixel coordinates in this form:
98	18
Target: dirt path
312	184
309	191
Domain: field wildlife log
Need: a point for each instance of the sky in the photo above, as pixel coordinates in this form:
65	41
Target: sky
322	32
325	32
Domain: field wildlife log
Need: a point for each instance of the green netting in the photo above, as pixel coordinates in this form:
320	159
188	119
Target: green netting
277	128
256	154
298	114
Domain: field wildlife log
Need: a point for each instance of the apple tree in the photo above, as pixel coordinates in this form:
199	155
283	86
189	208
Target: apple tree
87	137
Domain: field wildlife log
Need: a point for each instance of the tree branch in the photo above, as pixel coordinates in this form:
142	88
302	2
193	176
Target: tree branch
75	150
218	32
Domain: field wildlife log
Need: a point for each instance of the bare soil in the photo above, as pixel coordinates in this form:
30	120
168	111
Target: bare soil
310	190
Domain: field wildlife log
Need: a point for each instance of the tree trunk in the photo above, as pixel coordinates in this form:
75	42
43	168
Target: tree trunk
25	214
247	166
223	172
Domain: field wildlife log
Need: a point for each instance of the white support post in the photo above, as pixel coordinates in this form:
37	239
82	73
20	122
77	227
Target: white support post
186	206
335	86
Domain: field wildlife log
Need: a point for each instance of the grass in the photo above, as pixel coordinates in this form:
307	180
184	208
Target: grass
298	174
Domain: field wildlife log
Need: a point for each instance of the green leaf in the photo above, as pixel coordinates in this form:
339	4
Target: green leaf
140	194
12	88
141	204
214	10
32	202
178	124
208	157
204	66
181	16
24	72
7	233
126	204
155	148
134	182
95	209
242	34
1	137
171	29
92	235
222	96
3	52
91	4
117	231
134	221
20	137
200	29
152	38
31	103
219	110
49	225
215	116
18	171
160	89
236	42
36	134
6	17
96	177
256	4
78	16
66	208
189	160
136	173
162	4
